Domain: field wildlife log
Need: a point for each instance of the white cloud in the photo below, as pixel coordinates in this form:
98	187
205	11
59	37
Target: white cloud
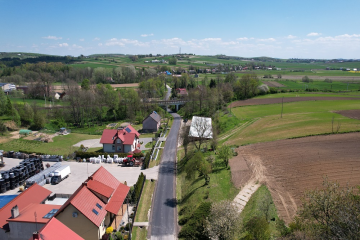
81	39
96	39
100	44
291	36
242	39
313	34
52	38
63	45
266	40
147	35
76	46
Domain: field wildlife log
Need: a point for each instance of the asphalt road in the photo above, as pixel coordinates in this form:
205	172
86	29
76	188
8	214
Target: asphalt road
164	215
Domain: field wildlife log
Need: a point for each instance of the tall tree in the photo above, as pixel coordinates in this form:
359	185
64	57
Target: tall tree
225	153
223	221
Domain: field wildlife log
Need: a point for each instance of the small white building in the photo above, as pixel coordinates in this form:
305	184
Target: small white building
201	128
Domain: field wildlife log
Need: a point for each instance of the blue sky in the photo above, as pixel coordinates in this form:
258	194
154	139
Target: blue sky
278	28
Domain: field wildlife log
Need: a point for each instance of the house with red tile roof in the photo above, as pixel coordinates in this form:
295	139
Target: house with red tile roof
96	205
181	92
55	230
26	213
122	140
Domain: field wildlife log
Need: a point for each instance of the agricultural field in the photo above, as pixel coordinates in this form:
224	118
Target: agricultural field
290	167
299	119
350	85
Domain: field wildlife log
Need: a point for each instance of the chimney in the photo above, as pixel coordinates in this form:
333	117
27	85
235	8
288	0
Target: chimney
36	236
15	212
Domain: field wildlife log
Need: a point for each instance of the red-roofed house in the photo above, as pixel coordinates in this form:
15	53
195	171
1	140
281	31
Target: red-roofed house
122	140
97	204
55	230
181	92
17	220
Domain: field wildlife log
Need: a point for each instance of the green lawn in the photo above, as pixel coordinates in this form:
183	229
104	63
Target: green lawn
62	145
299	119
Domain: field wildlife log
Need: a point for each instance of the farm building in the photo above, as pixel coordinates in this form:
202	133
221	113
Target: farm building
122	140
200	128
96	205
152	122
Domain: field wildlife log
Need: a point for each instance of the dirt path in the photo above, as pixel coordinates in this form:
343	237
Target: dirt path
262	101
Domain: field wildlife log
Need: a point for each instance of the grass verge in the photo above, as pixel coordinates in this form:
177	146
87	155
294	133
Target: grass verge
145	202
261	204
139	233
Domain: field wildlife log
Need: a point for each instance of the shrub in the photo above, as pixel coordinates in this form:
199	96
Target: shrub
273	90
109	230
127	227
194	228
118	236
182	221
328	80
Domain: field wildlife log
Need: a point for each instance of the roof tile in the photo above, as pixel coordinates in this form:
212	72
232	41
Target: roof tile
100	188
85	201
34	194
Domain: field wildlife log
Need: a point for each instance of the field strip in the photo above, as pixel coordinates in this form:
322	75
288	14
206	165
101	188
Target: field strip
245	194
248	123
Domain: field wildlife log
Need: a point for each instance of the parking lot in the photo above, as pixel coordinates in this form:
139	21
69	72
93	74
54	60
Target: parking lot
81	171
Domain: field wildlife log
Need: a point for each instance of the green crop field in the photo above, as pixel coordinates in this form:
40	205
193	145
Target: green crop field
299	119
321	85
310	94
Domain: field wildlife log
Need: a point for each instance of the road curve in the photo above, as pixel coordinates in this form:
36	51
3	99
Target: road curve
164	215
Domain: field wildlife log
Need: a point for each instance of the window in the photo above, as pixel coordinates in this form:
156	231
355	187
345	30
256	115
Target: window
119	148
99	206
118	140
113	147
50	214
96	212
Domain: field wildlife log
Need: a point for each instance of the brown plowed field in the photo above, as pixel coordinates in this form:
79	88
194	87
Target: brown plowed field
290	167
355	114
273	84
261	101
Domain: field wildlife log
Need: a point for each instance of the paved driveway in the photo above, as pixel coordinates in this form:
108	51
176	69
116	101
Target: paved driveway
145	141
163	219
90	143
81	171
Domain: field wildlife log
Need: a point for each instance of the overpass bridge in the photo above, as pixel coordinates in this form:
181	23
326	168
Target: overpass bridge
166	103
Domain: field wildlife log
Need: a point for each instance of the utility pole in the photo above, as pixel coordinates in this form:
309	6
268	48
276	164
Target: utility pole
282	106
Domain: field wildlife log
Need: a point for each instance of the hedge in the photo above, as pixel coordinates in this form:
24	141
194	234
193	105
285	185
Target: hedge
137	188
81	154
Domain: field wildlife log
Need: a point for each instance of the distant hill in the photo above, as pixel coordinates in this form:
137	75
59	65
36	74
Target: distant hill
21	55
